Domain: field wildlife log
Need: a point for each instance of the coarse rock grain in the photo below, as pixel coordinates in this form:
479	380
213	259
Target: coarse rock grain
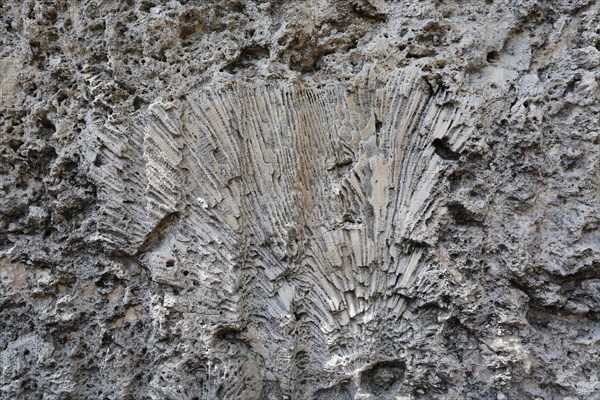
325	199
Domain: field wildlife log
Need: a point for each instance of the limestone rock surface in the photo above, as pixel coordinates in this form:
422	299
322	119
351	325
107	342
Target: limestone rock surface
324	199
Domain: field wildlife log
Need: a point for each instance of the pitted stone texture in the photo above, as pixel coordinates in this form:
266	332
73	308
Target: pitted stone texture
314	199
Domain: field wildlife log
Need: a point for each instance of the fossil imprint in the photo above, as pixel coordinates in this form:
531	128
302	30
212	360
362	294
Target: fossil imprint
292	214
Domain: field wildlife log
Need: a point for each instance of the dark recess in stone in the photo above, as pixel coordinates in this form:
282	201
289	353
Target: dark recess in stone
443	150
383	377
5	243
248	56
493	56
461	215
227	333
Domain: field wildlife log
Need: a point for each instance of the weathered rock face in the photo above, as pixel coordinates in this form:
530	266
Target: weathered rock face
317	200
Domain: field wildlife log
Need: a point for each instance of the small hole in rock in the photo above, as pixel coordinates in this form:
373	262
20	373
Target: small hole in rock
98	162
442	149
378	125
170	263
493	56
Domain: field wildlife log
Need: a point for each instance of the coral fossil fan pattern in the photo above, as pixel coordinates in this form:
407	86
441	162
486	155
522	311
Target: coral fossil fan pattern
297	214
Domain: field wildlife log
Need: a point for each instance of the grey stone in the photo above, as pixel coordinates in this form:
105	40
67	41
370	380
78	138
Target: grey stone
299	200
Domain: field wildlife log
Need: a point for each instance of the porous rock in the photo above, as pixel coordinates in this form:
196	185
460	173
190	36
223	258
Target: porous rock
323	199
